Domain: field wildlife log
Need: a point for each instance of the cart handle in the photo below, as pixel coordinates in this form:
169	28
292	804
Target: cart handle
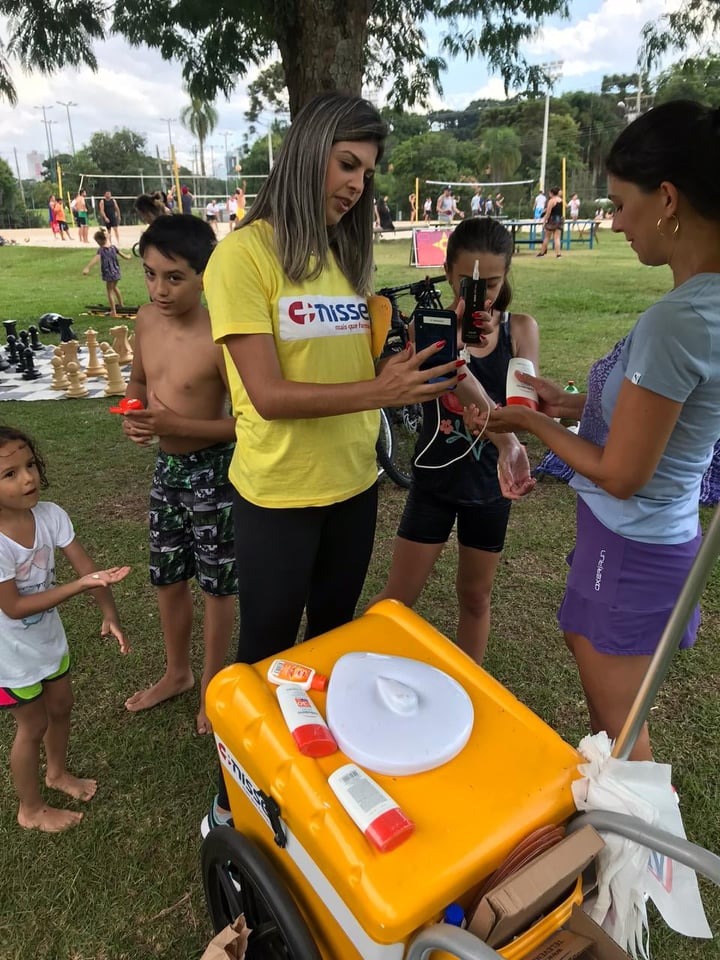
442	936
699	859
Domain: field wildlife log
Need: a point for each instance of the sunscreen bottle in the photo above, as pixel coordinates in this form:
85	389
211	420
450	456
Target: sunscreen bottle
287	671
516	392
372	810
310	732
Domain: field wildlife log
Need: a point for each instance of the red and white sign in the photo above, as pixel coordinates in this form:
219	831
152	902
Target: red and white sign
429	246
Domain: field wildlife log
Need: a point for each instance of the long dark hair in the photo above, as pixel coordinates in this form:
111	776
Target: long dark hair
10	434
483	235
678	142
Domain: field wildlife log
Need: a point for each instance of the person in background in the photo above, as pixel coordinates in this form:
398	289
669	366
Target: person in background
539	205
109	215
476	203
427	210
649	420
552	223
186	200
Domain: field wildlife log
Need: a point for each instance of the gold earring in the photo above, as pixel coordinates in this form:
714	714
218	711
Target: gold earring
659	225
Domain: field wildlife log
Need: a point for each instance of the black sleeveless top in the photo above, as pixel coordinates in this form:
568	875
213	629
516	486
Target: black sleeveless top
473	479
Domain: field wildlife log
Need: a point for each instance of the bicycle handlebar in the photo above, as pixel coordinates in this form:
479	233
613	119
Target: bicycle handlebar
418	288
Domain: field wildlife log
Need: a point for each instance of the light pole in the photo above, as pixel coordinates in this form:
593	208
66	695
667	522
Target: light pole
47	131
553	70
70	103
168	121
225	134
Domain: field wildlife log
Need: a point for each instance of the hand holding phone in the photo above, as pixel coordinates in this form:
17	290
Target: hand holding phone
474	293
432	326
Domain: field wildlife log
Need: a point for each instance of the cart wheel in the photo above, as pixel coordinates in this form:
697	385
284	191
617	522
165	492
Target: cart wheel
239	878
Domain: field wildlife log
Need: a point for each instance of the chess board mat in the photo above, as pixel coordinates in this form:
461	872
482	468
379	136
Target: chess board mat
13	387
102	310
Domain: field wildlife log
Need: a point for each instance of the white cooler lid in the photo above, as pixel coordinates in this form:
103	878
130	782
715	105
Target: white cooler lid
396	716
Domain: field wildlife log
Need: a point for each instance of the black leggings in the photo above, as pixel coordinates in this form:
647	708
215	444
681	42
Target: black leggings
289	560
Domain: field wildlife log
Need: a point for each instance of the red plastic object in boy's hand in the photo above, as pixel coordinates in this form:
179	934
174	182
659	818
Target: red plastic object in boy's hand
128	403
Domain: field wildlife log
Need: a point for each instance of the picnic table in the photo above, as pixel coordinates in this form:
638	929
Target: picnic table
530	233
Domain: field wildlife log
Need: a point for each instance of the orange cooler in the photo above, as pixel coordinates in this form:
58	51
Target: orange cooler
513	776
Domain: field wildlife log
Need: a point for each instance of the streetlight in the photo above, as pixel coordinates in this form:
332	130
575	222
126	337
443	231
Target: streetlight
553	70
67	105
225	134
168	121
47	130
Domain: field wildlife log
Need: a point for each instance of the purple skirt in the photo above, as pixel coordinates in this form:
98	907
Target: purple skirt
620	592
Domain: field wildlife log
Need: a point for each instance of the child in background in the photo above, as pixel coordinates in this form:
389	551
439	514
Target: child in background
477	488
34	657
109	269
191	525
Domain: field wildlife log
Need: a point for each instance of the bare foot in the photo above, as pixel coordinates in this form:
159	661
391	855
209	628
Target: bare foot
74	787
164	689
48	819
202	722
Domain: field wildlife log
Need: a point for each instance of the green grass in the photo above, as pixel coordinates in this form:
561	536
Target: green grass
125	885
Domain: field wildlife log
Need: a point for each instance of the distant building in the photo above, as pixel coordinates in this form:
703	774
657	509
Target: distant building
34	165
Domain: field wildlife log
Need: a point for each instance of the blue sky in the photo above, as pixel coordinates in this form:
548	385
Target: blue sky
137	89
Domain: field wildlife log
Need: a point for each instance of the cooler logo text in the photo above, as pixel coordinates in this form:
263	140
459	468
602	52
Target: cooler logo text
243	780
301	318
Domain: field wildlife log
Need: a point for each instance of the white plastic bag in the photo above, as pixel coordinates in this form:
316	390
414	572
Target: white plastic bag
627	871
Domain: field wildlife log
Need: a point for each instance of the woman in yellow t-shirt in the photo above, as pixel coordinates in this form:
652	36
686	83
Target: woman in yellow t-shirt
287	296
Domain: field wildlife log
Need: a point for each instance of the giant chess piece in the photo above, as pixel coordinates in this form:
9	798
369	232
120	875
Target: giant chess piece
70	350
12	349
76	389
116	384
30	373
95	368
10	328
65	328
59	380
35	338
20	366
121	345
24	339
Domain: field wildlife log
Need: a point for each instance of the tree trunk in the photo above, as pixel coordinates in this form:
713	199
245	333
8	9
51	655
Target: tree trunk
202	156
322	46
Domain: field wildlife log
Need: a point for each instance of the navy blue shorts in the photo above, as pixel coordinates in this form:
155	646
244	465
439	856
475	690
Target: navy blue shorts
430	519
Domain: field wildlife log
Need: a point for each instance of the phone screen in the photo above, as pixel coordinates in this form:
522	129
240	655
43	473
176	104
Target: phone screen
432	326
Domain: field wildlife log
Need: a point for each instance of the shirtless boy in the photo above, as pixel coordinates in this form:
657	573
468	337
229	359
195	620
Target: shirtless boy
191	529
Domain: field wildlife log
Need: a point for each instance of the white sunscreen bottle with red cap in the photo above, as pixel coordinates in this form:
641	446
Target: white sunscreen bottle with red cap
304	721
373	811
517	392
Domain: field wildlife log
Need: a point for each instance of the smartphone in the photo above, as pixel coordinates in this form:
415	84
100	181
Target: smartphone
432	326
474	293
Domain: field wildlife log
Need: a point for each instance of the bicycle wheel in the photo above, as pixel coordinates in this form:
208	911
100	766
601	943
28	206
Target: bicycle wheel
239	878
405	423
383	444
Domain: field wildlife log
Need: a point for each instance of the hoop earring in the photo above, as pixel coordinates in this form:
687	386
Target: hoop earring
659	225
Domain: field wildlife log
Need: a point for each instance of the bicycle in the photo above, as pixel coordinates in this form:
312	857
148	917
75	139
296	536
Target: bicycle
400	426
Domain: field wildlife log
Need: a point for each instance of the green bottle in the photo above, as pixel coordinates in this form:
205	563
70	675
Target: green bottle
570	388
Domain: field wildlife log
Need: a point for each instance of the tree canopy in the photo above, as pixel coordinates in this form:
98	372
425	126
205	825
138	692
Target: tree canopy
322	46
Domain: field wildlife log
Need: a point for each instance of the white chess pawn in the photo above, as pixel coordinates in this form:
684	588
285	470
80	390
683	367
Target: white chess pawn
116	384
59	380
76	388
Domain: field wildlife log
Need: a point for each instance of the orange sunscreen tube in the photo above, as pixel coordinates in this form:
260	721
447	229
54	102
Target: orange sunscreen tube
286	671
372	810
310	732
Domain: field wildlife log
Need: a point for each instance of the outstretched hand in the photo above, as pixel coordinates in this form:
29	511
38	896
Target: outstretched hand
514	472
103	578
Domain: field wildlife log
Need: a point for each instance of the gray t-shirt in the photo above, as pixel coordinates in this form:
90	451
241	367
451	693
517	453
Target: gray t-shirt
673	350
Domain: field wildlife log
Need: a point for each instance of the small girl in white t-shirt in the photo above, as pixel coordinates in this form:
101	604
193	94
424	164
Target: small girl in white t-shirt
34	656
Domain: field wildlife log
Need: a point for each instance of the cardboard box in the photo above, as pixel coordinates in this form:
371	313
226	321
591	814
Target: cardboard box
580	937
518	902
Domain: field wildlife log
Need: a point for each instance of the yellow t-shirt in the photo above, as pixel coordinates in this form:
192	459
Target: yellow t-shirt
321	330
